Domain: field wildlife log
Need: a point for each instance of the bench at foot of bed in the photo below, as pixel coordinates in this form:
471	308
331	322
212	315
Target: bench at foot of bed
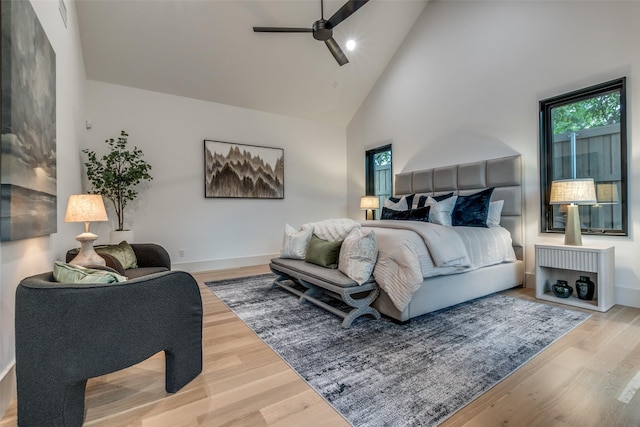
325	281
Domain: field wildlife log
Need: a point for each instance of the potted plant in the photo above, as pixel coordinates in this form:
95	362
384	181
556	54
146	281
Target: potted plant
116	174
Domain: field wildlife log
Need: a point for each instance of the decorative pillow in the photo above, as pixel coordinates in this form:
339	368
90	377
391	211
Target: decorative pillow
408	198
441	211
472	210
69	273
400	205
123	252
495	212
422	201
419	214
358	255
323	252
294	243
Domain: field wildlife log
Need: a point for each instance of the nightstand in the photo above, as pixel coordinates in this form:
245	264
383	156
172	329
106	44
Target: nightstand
568	263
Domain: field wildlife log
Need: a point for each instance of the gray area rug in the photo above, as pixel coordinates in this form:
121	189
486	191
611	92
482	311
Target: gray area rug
379	373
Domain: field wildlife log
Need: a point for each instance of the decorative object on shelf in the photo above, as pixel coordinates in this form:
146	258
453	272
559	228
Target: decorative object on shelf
585	288
28	119
573	192
243	171
116	175
369	203
86	208
561	289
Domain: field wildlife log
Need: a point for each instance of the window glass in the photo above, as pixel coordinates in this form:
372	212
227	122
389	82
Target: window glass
379	175
583	135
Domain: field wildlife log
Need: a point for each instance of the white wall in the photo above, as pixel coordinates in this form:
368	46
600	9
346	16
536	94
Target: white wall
172	209
465	86
27	257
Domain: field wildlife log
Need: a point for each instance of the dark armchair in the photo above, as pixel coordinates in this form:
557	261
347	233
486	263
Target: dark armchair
67	333
151	258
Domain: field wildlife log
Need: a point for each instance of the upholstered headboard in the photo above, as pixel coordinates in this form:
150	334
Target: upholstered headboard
505	174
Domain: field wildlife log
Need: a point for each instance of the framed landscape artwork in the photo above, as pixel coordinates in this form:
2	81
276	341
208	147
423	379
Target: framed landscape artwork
28	130
243	171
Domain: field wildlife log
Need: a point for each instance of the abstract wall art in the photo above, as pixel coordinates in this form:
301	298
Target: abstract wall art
28	126
243	171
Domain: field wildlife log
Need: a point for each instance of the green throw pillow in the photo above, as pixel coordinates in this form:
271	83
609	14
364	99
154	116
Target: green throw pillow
323	252
123	252
69	273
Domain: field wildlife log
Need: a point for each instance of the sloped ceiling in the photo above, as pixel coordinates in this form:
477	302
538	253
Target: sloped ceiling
207	50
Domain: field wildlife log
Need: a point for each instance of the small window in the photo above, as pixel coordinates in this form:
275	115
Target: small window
583	135
379	175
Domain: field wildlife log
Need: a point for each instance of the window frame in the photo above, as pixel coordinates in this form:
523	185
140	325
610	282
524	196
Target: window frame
370	171
546	153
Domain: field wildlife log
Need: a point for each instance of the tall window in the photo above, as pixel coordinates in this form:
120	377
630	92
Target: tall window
583	135
379	174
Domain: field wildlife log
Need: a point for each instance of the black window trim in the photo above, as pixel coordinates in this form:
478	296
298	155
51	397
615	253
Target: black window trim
546	138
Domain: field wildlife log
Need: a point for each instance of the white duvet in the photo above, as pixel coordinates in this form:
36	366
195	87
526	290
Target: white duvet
410	251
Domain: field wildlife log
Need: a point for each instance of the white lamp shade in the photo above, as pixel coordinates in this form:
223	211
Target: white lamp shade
85	208
369	202
578	191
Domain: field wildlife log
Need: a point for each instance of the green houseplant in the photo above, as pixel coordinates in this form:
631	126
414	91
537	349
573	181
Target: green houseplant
116	174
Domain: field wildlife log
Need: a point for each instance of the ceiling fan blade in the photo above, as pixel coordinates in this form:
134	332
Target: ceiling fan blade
281	30
345	11
336	51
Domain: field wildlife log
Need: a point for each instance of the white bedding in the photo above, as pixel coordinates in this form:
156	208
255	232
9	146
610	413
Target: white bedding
410	251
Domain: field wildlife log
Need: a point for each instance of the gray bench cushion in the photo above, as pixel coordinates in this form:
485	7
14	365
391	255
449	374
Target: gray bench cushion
312	271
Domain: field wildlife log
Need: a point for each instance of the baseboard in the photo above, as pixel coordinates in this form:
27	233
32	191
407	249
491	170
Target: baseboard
7	388
628	296
221	264
530	280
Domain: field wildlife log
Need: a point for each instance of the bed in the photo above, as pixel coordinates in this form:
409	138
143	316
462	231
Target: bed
434	293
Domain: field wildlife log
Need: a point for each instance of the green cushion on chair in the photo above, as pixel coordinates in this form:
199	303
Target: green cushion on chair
123	252
69	273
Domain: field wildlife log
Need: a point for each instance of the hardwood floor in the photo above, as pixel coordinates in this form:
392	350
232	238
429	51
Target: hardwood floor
587	378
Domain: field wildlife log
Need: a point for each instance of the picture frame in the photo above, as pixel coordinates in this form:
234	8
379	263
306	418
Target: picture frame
28	179
242	171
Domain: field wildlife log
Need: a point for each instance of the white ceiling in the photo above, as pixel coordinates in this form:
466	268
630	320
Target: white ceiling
207	50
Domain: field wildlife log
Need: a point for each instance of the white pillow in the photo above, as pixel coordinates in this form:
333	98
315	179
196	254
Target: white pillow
401	205
294	243
440	212
358	255
495	211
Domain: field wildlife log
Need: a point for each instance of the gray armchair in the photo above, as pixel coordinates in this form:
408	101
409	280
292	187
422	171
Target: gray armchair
67	333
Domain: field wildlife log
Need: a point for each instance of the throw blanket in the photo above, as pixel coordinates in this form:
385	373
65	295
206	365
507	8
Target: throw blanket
410	251
334	229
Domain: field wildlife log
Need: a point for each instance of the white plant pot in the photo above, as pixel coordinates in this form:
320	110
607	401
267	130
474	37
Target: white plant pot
118	236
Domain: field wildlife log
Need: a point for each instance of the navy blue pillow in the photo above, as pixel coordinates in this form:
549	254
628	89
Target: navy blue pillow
409	198
423	199
420	214
472	210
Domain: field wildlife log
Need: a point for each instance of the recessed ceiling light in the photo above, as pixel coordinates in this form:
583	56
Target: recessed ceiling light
351	44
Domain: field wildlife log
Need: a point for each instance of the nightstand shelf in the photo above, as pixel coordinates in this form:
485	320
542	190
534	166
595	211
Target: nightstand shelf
554	262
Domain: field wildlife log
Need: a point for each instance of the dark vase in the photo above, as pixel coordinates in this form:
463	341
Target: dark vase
585	288
562	289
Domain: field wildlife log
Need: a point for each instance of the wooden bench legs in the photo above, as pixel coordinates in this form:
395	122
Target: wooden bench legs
360	304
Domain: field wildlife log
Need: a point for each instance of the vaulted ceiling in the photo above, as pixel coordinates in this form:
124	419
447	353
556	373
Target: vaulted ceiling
207	50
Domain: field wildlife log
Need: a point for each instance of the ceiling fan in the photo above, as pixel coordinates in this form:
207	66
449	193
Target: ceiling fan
323	29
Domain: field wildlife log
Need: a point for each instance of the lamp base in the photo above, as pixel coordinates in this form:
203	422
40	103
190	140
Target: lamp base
572	234
87	255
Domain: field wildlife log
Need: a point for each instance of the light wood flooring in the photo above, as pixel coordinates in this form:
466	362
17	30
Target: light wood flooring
587	378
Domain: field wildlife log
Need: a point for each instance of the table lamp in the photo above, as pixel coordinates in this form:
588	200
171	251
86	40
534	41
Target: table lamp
86	208
573	192
369	203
